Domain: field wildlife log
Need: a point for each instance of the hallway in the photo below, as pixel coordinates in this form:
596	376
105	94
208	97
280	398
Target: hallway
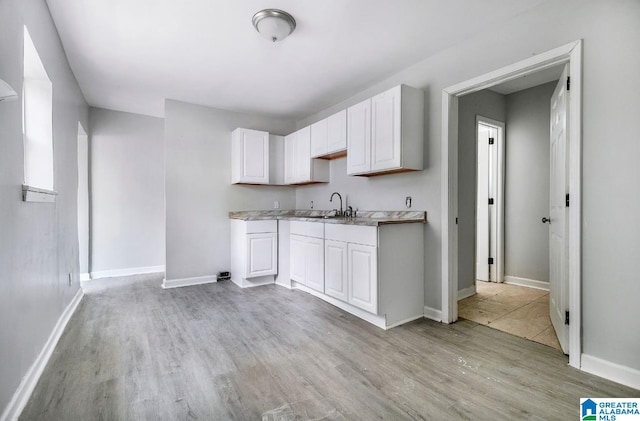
513	309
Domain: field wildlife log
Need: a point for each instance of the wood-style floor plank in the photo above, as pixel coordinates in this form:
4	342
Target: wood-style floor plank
133	351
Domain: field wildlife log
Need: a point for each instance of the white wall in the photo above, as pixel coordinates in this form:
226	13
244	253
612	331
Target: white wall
486	104
610	150
527	183
199	194
127	191
38	241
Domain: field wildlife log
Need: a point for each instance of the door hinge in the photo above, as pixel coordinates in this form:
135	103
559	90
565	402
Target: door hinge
456	220
566	200
490	260
491	200
568	83
491	140
566	317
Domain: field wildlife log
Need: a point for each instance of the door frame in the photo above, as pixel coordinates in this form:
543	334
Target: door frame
569	53
499	196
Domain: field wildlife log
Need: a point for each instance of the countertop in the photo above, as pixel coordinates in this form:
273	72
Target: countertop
368	218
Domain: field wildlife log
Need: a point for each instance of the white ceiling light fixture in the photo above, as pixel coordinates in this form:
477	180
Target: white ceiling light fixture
274	24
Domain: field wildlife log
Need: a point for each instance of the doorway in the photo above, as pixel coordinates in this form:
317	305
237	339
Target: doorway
490	167
83	203
568	54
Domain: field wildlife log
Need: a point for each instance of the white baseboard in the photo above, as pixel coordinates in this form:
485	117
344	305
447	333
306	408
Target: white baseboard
126	272
284	285
466	292
84	277
30	380
611	371
186	282
374	319
432	314
526	282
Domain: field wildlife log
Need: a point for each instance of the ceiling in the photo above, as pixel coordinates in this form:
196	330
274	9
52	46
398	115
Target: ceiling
129	55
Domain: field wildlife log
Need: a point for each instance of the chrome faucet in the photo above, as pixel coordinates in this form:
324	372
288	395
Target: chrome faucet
340	212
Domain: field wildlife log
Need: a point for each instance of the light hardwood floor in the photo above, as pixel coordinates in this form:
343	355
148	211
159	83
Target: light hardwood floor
133	351
514	309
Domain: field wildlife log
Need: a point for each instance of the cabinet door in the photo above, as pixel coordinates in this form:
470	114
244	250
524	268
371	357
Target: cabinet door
303	155
315	263
252	148
289	158
297	263
262	254
335	269
319	138
359	138
363	277
386	130
337	132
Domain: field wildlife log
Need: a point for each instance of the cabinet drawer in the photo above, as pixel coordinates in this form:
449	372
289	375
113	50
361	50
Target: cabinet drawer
254	227
309	229
352	234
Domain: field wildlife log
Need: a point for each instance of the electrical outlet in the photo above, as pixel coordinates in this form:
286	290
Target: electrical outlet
70	278
407	202
311	204
276	204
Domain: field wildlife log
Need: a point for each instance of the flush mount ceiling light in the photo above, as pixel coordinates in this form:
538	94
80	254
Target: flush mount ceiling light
274	24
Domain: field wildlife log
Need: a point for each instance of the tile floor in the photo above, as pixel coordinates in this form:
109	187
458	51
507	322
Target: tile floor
517	310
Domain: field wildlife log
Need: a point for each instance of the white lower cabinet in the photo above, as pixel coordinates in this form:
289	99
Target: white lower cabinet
376	273
335	271
254	252
298	261
262	254
362	279
307	254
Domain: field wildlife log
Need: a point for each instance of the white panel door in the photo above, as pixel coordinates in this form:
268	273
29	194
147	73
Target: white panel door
315	263
337	132
558	267
289	158
319	133
482	208
262	258
359	138
363	277
386	130
255	157
303	156
297	263
335	275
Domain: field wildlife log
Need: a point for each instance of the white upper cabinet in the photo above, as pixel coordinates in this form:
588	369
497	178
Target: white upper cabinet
289	158
359	138
385	130
302	172
299	167
249	157
319	138
329	137
337	132
385	134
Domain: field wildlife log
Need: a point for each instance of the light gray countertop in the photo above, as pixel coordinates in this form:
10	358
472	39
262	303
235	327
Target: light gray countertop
369	218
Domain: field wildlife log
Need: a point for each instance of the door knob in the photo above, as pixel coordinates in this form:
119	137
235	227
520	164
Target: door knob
546	220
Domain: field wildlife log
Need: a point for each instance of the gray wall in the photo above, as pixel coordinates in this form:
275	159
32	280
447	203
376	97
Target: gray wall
38	241
527	183
486	104
199	194
127	190
610	126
